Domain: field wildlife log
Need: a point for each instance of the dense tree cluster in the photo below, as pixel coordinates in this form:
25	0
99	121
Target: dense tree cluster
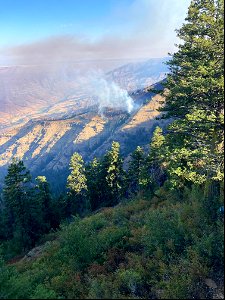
30	210
195	97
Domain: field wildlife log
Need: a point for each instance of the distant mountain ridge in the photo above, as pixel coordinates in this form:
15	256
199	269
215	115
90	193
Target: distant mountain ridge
134	76
47	141
28	92
46	146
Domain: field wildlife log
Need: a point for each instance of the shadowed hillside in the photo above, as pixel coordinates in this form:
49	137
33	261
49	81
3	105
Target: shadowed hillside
46	145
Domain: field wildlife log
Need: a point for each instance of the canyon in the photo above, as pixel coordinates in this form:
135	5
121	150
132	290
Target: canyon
47	116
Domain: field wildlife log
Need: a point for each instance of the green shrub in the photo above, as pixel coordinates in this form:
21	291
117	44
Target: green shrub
41	292
163	230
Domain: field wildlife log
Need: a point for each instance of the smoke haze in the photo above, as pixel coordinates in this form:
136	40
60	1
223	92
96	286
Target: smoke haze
109	94
105	93
139	30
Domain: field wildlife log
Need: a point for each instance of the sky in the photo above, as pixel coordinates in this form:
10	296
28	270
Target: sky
43	31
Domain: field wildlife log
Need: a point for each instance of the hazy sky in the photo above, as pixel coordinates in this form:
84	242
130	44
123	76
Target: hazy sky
68	30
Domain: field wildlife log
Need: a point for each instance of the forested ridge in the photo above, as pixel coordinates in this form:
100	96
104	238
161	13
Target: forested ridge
154	229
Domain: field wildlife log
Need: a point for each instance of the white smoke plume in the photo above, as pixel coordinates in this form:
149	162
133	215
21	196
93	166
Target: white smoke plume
109	94
105	93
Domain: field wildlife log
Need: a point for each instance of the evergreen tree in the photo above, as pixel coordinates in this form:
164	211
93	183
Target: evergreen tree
195	94
77	185
44	199
135	170
153	174
76	181
156	144
156	158
18	208
95	184
112	171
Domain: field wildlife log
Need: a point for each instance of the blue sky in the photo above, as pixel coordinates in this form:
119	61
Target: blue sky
23	21
89	28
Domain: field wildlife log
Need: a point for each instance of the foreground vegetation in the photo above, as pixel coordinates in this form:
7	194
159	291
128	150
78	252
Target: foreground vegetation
142	249
151	230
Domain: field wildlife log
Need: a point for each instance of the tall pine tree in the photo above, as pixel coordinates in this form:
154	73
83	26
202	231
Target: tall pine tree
44	200
196	95
112	167
18	206
95	184
153	173
135	170
77	185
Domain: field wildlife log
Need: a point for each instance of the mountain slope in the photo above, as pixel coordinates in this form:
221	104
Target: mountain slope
135	76
46	145
28	92
47	115
143	249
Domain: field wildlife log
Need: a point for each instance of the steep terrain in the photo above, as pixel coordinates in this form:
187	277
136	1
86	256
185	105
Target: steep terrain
28	92
142	249
46	145
47	115
135	76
